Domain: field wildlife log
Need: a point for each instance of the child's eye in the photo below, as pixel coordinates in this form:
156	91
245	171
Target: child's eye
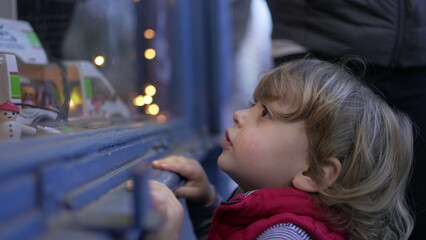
265	112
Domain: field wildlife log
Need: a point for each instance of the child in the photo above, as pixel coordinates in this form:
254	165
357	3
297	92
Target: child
318	155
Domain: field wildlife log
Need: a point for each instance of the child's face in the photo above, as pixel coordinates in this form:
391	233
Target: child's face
262	151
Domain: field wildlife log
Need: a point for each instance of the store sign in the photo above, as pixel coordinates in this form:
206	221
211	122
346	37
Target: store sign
19	38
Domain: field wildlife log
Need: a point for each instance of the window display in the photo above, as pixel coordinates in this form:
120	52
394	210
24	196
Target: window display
90	61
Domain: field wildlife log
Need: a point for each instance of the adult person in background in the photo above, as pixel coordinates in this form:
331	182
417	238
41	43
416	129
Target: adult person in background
251	45
390	36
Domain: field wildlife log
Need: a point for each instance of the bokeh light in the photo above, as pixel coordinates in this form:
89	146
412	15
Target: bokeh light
147	99
150	90
150	53
149	33
139	101
153	109
161	118
99	60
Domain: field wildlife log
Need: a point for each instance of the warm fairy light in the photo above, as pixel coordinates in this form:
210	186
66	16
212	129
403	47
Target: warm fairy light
150	90
150	53
139	101
99	60
147	99
153	109
149	33
161	118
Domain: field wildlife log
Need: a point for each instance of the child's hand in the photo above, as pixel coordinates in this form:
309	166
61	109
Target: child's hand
197	188
168	206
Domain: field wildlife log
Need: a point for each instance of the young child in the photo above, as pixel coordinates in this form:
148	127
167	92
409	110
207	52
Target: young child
318	156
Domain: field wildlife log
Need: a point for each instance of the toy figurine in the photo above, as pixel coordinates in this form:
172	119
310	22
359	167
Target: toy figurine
9	128
28	94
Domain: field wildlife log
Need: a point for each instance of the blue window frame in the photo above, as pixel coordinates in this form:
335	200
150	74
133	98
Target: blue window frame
45	179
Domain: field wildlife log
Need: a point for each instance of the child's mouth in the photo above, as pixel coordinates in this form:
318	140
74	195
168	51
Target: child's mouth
227	142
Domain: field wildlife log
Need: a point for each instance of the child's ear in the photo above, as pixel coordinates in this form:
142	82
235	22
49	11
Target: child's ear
304	182
331	169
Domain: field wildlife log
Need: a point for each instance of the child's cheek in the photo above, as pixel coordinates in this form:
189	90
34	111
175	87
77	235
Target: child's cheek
250	148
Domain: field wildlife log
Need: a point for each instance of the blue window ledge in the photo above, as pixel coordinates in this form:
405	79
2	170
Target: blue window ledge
72	186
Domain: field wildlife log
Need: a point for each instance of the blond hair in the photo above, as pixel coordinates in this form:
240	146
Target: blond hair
374	143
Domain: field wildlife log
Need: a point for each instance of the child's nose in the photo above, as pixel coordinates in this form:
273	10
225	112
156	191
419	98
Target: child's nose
238	117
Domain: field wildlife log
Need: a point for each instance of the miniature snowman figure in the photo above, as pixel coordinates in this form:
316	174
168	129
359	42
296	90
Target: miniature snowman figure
9	128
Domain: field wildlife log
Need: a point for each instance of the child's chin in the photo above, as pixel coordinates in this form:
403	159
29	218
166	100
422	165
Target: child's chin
221	161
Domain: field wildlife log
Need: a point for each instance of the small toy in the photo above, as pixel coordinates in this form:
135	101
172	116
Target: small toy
9	128
28	95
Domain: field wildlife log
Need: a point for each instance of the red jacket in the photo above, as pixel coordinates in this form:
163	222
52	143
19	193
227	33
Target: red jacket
247	216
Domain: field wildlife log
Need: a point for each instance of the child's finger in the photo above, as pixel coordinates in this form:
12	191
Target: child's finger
189	169
186	192
167	205
173	159
161	195
179	160
203	196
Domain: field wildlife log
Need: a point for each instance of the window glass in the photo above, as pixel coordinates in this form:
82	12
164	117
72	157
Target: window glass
105	59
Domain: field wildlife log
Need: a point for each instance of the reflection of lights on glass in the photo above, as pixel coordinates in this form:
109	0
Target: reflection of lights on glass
149	33
150	90
139	101
99	60
147	99
161	118
153	109
150	53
